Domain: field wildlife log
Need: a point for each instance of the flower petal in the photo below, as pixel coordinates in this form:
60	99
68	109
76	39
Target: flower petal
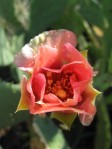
54	38
88	104
51	99
86	119
38	86
25	59
68	53
25	96
57	38
79	68
46	57
43	108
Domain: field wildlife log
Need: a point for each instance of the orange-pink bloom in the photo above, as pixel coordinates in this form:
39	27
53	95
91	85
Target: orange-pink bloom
60	77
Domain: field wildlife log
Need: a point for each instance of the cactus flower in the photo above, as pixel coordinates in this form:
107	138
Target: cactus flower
59	78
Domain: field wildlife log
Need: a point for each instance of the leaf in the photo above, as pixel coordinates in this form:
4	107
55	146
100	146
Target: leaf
9	47
83	44
65	118
70	19
91	6
8	13
9	98
17	43
103	133
42	17
110	63
49	133
5	55
103	81
106	7
109	99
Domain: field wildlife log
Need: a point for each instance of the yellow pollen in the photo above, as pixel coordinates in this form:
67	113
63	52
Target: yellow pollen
61	93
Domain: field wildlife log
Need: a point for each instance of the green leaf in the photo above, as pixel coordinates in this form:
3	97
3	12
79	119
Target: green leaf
6	56
70	19
83	44
66	118
9	47
106	7
103	133
8	13
110	62
108	99
51	135
91	6
17	43
44	14
9	98
103	81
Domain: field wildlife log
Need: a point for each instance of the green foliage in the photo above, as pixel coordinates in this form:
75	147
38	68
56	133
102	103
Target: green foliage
9	98
70	19
8	13
66	119
41	17
103	133
8	47
6	57
50	133
110	63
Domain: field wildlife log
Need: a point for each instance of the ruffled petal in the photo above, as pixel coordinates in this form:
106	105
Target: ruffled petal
25	96
54	38
68	53
43	108
30	90
79	68
46	57
38	86
25	58
51	99
88	104
57	38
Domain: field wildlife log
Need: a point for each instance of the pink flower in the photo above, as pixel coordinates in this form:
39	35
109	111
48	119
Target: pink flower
60	78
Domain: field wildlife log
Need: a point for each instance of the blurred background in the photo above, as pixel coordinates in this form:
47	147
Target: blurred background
21	20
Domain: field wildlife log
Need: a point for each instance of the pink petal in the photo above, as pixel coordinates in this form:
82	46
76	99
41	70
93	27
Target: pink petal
86	119
87	104
38	85
46	57
57	38
74	55
51	99
43	108
25	59
79	69
25	96
68	53
29	89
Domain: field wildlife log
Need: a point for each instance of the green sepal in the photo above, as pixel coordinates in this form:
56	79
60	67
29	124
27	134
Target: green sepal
66	118
84	53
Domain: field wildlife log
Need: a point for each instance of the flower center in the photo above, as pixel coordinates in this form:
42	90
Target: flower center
59	84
